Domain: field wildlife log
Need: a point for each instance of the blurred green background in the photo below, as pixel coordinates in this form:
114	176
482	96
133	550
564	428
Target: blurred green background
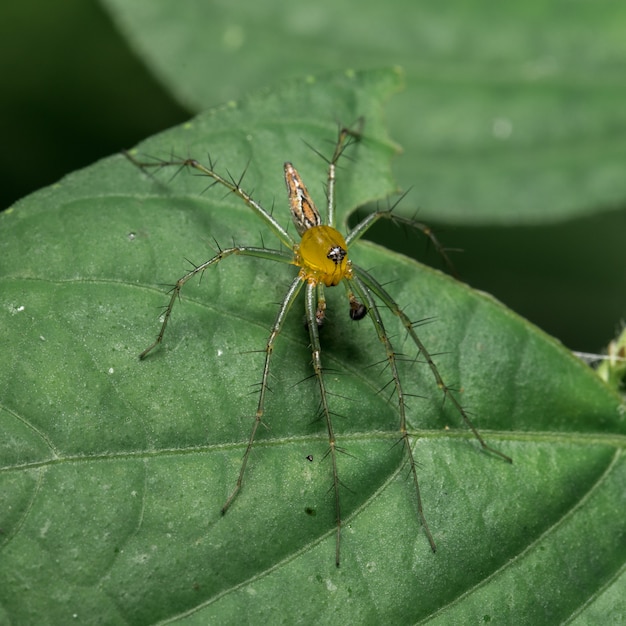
75	92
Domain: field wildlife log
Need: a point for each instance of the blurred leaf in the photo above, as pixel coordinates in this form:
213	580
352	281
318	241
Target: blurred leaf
513	113
113	470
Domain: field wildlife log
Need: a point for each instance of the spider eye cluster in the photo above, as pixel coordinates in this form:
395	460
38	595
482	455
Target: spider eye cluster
336	254
323	255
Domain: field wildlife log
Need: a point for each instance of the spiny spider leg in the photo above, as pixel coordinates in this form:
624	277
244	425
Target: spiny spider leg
369	220
375	287
288	300
344	139
365	296
320	312
311	306
232	184
263	253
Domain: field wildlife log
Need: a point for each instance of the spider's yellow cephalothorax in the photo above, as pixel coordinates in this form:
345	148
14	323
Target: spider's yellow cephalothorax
322	256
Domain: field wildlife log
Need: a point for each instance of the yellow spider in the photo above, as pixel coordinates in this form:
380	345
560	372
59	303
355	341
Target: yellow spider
322	258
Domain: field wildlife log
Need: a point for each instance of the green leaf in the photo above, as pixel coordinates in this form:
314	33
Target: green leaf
114	470
513	112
